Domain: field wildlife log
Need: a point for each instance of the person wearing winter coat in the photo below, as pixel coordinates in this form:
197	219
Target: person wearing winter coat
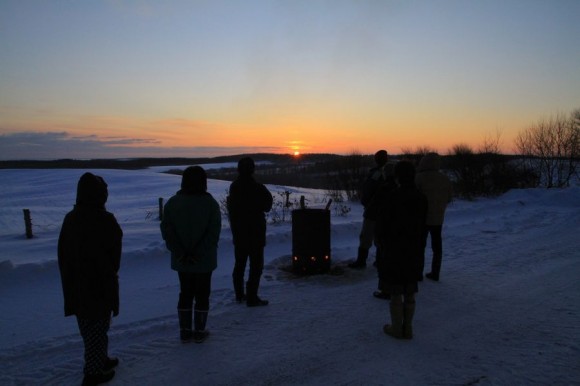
247	203
437	187
399	229
371	213
191	227
375	179
89	257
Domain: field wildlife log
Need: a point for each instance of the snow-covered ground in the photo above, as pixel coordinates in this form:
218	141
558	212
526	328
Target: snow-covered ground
506	311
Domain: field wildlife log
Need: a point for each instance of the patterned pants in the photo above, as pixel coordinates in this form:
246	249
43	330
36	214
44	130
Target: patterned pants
96	341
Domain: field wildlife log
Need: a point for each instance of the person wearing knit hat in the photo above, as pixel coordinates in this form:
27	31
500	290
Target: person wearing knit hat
89	258
191	227
247	203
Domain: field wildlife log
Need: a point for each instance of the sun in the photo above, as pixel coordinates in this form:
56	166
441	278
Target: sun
296	153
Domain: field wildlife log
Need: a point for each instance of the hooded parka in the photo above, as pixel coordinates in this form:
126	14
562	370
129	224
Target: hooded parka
192	239
89	253
399	231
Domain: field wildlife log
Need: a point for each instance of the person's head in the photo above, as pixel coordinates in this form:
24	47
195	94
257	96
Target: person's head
381	158
430	161
194	180
405	173
246	166
92	190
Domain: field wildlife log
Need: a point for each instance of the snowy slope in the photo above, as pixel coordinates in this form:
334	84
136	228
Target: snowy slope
506	311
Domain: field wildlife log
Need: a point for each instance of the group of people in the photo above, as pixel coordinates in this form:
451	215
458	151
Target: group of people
401	210
89	256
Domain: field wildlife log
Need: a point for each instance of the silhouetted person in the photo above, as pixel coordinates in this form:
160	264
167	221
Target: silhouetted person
191	229
439	192
400	227
371	185
248	201
372	212
89	257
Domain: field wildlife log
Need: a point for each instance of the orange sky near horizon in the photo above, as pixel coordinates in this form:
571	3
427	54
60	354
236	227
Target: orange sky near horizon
307	137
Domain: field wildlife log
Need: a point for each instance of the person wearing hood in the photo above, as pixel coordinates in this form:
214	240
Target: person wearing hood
247	203
89	257
191	227
437	187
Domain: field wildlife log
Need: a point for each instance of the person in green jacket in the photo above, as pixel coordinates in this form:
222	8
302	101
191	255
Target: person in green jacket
191	227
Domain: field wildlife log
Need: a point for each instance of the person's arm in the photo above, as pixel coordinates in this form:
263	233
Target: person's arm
267	199
215	224
169	234
117	244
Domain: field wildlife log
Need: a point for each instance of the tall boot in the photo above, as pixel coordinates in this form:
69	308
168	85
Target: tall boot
435	267
185	332
200	319
408	313
239	288
361	259
395	329
253	300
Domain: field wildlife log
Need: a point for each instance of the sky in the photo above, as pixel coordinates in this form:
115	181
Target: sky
122	78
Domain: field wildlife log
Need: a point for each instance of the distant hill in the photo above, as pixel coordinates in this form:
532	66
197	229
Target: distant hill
142	163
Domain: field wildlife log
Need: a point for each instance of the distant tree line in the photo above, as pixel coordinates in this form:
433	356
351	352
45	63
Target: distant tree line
132	163
338	174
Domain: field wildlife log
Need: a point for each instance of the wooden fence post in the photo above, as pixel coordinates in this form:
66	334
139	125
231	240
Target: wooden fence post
27	223
328	204
160	208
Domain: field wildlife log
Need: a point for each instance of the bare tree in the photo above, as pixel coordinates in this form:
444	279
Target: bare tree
551	148
575	142
491	144
348	173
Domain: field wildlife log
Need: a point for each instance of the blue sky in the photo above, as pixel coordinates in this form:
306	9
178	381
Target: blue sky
85	79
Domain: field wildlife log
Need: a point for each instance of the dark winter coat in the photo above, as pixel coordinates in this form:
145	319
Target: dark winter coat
89	253
370	185
399	233
380	196
379	181
436	186
248	201
191	229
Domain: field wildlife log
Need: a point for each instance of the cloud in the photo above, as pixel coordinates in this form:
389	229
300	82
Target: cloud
61	145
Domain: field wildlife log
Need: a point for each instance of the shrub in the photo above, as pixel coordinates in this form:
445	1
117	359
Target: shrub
550	149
